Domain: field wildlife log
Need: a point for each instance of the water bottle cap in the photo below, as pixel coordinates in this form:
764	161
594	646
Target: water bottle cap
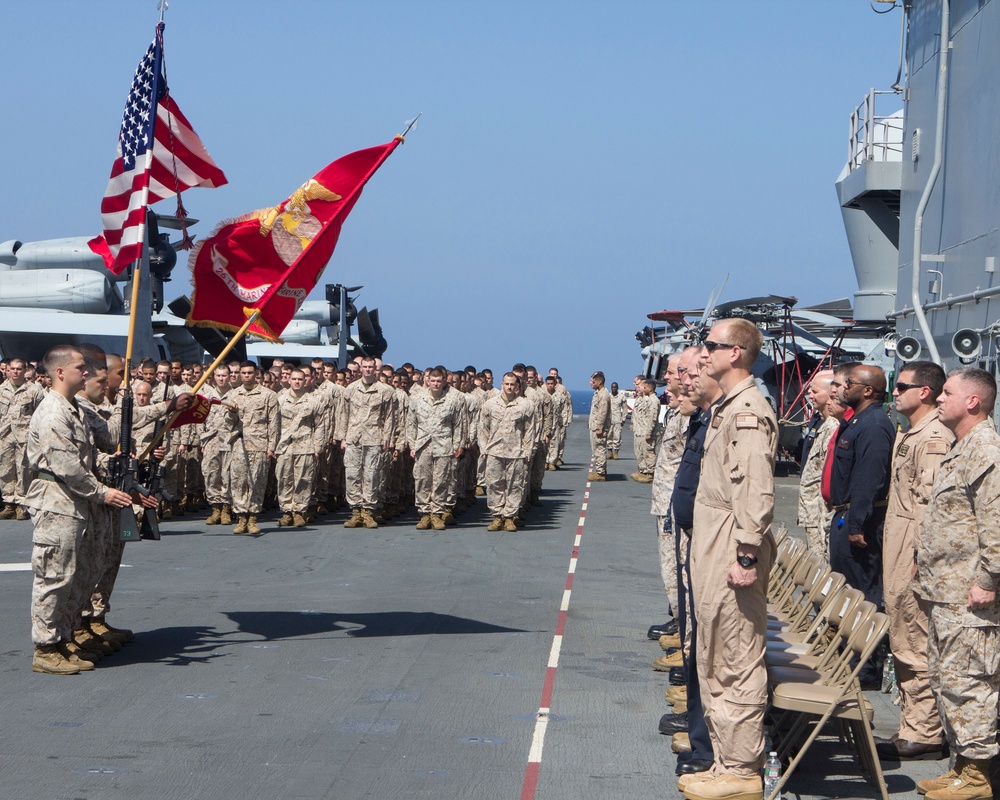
774	753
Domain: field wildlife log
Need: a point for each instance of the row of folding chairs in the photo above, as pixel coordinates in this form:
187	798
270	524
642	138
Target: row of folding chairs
821	632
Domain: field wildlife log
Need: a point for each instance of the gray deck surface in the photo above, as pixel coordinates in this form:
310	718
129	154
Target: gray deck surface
396	663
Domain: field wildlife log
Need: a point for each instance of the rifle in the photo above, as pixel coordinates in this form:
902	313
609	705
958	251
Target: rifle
151	478
123	469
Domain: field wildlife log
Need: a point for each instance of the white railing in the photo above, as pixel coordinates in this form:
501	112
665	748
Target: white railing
874	137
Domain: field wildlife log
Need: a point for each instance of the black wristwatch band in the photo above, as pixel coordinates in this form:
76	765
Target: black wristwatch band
746	561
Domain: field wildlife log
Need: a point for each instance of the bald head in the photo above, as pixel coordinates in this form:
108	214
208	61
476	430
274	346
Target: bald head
870	375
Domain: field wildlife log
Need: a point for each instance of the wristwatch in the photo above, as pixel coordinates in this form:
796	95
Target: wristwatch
746	561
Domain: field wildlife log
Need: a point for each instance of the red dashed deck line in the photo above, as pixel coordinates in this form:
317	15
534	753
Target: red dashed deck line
530	784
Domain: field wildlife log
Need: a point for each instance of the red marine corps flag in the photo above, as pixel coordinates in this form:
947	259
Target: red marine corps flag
269	260
159	156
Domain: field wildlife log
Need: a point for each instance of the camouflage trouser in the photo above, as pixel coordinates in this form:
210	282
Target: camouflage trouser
434	482
15	472
599	447
645	454
964	662
321	485
109	554
190	463
363	468
215	467
8	472
556	443
816	538
56	544
562	443
615	436
538	466
481	471
506	479
248	471
668	563
171	465
338	487
295	475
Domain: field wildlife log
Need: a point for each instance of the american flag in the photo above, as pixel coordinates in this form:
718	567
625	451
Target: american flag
139	177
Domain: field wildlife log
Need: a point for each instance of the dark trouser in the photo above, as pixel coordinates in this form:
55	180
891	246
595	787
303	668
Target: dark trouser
701	744
862	567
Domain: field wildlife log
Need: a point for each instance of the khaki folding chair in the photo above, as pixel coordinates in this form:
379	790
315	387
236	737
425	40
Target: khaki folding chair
839	699
811	575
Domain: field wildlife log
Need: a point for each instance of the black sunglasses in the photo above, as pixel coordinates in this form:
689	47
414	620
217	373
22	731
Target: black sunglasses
713	346
905	387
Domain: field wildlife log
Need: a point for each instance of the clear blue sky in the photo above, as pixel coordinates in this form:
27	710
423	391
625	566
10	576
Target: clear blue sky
578	165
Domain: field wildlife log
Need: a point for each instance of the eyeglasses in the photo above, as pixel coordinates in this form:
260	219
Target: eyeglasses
713	346
905	387
849	383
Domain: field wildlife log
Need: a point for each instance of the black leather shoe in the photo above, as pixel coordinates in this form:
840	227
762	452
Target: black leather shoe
673	723
677	676
692	766
666	629
904	750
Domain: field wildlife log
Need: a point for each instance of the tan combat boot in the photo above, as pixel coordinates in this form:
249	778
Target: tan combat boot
666	663
437	522
252	526
726	786
22	513
680	742
88	641
49	659
972	783
449	518
675	693
368	518
298	520
930	784
596	476
286	520
216	517
684	781
80	659
509	525
8	512
496	525
108	633
668	641
355	519
425	523
226	514
241	524
111	641
480	491
123	633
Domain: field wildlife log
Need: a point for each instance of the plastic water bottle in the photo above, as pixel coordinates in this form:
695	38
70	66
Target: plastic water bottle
893	686
772	774
888	673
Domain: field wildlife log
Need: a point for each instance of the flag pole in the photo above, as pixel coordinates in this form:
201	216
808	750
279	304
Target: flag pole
254	316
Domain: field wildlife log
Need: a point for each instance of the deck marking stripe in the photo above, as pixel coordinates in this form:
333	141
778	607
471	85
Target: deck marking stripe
530	784
22	567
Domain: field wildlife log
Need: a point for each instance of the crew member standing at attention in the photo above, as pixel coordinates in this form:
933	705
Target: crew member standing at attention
859	489
60	448
600	425
813	514
958	574
619	410
645	418
257	432
916	456
506	431
732	550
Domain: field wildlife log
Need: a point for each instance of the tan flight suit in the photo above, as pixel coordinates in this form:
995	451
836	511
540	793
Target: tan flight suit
366	422
814	515
645	416
61	445
217	436
506	439
916	456
734	505
17	404
960	545
258	428
668	459
435	430
619	411
600	420
301	439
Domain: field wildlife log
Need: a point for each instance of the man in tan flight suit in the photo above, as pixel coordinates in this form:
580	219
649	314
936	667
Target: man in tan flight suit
366	430
600	424
958	574
506	431
60	448
732	550
917	453
619	411
258	427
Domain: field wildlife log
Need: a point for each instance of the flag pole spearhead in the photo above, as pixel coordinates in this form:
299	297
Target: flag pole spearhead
410	125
